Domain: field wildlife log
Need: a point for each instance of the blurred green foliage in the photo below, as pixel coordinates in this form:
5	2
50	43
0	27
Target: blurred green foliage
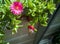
38	10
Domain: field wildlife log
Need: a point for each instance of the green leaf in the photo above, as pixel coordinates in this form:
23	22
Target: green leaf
14	31
7	2
2	10
18	0
1	35
8	43
0	1
12	1
23	1
44	24
51	7
18	21
3	16
35	30
33	14
30	3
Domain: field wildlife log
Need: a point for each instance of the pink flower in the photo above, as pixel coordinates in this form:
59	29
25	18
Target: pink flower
31	28
16	8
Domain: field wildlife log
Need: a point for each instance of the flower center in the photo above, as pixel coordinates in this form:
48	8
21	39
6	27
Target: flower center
16	7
